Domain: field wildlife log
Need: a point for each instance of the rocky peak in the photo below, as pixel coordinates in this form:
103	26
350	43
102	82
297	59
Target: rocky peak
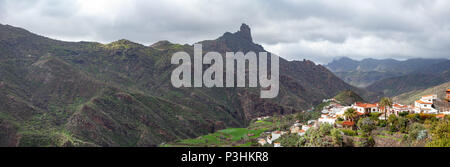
245	32
122	41
240	41
123	44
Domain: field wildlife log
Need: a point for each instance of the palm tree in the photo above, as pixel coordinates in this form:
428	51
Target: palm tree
350	114
384	103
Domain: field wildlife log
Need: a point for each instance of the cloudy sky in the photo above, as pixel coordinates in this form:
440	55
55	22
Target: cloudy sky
317	30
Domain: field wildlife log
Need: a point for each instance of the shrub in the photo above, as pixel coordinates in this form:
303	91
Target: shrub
325	129
370	141
302	141
403	114
337	137
291	140
415	130
393	129
367	142
422	135
382	123
405	137
313	138
413	117
348	132
402	124
440	134
375	115
366	125
427	116
393	123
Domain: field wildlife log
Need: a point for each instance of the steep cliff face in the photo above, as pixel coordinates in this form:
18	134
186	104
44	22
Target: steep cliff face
55	93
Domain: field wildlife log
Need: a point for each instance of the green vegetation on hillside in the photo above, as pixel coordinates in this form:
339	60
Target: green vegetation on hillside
348	97
227	137
410	97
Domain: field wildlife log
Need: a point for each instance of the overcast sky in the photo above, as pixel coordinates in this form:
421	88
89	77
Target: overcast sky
317	30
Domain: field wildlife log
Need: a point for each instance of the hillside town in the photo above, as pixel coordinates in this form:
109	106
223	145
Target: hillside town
334	114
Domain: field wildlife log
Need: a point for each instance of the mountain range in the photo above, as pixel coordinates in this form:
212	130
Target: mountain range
422	78
57	93
365	72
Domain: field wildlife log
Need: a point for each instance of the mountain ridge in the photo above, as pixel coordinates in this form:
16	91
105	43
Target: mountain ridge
365	72
57	93
432	75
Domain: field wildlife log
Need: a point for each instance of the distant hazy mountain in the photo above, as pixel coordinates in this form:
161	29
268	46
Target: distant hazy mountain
422	78
367	71
346	64
55	93
398	85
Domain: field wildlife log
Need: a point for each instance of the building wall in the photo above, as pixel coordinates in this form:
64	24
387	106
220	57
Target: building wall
419	108
327	120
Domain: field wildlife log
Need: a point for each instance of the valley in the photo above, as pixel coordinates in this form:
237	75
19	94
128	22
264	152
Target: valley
342	121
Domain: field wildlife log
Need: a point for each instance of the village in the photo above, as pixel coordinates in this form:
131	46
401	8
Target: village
334	114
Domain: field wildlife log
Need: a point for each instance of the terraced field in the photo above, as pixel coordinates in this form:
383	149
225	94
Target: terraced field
230	137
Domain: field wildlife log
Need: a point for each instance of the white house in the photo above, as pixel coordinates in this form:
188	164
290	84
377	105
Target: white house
425	105
325	118
262	142
294	129
276	135
301	132
429	98
398	108
365	108
306	127
339	111
273	136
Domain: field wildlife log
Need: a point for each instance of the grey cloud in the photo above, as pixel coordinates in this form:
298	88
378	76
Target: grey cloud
313	29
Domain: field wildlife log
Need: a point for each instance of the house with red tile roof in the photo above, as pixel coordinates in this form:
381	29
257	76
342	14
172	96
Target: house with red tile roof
301	132
326	118
348	124
262	142
398	108
366	108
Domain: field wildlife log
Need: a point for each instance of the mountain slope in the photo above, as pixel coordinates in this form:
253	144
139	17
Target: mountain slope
423	78
363	79
348	97
410	97
56	93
